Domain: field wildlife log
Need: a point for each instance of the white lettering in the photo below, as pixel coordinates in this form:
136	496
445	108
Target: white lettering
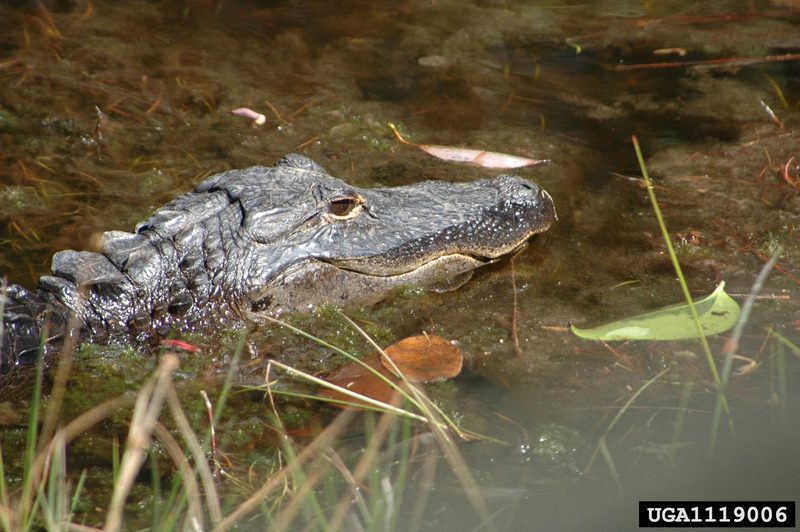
683	516
654	514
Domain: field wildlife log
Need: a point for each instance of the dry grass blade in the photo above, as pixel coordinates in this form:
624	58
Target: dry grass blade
356	379
189	482
210	488
3	286
356	491
378	405
5	505
325	438
625	408
74	428
304	487
213	433
434	417
145	415
426	481
7	515
461	470
60	382
612	469
367	462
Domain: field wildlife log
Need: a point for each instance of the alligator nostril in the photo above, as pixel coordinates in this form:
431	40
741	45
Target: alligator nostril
530	188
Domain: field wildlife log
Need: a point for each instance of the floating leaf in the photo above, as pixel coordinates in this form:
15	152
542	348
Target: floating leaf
356	378
257	118
425	358
419	359
717	313
486	159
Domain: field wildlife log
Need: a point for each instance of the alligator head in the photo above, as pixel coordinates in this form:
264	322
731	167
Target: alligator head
317	239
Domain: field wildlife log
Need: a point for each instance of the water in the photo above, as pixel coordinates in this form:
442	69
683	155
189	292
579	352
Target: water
533	79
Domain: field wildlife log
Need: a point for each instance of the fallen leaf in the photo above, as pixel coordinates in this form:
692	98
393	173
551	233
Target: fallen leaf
486	159
257	118
717	313
358	379
419	359
425	358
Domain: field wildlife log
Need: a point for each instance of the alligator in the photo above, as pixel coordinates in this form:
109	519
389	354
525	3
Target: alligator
246	244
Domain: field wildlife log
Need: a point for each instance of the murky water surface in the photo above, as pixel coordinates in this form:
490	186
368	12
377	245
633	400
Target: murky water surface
109	109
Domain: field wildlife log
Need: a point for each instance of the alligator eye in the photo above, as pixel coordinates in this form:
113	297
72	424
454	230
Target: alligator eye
345	206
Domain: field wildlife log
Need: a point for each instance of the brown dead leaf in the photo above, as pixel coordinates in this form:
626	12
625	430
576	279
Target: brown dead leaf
359	379
425	358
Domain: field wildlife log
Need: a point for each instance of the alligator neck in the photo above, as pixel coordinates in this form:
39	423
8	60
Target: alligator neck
166	276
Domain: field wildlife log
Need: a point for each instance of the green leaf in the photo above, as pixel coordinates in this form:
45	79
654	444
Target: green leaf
718	312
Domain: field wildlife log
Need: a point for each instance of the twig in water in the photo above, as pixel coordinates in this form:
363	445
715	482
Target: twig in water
771	114
785	175
274	110
730	347
710	63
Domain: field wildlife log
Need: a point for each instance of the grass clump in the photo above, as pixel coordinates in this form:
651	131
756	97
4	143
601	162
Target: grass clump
321	484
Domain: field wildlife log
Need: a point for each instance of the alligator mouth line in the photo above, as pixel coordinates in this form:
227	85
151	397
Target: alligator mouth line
457	262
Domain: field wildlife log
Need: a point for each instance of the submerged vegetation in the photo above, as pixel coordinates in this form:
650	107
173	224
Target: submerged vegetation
310	483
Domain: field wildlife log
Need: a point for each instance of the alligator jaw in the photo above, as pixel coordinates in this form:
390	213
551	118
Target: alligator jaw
311	282
322	281
420	267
